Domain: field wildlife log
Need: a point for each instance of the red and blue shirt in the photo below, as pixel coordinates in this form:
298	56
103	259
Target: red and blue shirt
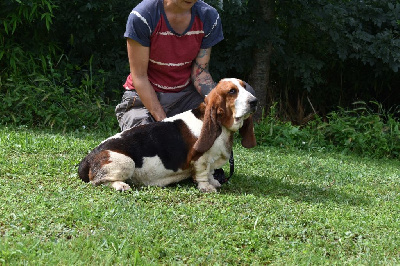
172	54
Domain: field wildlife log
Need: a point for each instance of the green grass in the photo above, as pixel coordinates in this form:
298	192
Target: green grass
281	207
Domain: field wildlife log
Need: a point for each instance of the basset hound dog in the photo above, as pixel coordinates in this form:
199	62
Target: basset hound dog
190	144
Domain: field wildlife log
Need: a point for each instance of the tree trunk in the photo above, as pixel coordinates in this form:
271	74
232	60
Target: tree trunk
259	77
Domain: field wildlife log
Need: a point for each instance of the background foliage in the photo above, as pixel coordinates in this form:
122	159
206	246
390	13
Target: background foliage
363	130
340	52
62	63
334	52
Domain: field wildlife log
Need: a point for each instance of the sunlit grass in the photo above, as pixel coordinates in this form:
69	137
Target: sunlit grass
280	207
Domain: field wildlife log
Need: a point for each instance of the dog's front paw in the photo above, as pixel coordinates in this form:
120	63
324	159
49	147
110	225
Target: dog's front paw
120	186
206	187
214	182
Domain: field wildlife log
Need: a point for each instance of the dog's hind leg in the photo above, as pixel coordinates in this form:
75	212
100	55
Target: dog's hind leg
120	186
115	171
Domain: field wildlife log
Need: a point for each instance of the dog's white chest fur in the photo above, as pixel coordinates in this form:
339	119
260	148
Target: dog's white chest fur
219	152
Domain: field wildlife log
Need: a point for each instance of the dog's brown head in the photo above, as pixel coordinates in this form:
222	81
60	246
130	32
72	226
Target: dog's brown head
231	106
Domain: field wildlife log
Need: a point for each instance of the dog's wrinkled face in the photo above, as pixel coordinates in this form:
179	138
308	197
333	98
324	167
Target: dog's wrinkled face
236	103
228	105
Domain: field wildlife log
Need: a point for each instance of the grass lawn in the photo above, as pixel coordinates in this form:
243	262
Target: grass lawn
280	207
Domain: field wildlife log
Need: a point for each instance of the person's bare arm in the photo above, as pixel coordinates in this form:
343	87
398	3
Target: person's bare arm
138	61
201	76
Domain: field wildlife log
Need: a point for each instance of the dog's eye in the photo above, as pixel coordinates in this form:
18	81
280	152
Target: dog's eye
232	91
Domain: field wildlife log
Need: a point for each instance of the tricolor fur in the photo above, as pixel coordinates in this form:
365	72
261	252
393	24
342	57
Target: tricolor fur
190	144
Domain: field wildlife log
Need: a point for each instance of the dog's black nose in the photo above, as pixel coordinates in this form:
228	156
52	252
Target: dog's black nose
253	103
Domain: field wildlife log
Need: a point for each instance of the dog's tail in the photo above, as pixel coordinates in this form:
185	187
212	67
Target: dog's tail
83	170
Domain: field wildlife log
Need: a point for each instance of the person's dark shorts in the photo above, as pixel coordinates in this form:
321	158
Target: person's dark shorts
131	111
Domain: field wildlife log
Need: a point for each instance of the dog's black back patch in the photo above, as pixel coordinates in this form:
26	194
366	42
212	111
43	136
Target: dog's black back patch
162	139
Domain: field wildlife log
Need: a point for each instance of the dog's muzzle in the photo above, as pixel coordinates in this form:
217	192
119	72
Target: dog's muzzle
253	104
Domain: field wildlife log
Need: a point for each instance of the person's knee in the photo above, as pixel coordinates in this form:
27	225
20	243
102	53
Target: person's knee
191	99
134	117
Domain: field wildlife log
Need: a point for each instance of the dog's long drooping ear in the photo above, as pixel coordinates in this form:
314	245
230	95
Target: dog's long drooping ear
247	133
249	88
211	128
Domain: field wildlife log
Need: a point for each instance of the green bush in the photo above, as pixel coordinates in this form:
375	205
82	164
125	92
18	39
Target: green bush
91	35
52	64
329	51
336	52
362	130
38	101
272	131
24	35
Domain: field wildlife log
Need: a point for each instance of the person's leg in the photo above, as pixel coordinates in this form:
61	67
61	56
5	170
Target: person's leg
135	117
131	112
176	103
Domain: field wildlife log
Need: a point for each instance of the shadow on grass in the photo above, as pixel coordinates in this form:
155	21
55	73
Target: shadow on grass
276	188
240	185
